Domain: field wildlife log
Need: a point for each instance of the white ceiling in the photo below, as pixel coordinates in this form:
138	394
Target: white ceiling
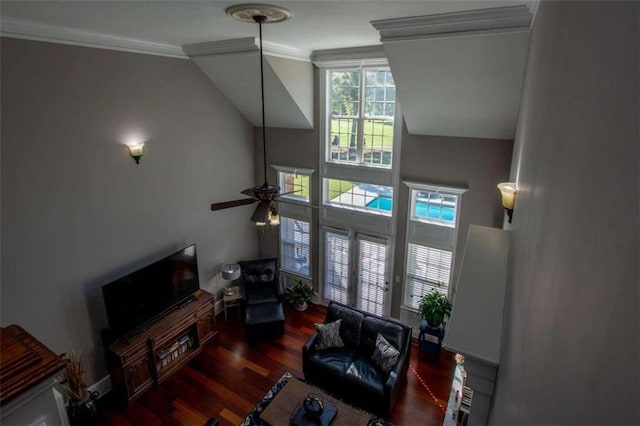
317	24
455	77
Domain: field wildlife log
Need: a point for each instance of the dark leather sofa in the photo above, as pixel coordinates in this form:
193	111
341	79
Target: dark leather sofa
348	372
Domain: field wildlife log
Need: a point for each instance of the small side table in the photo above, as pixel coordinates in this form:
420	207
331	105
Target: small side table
425	343
232	300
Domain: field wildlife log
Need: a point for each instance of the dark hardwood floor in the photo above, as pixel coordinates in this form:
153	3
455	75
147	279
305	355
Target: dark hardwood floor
229	377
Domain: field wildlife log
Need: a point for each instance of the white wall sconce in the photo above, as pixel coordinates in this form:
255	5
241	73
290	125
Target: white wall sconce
135	149
508	191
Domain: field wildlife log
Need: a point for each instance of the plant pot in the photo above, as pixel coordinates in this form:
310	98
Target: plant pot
300	306
433	327
83	412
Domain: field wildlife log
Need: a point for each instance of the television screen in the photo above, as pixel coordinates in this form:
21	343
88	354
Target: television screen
135	300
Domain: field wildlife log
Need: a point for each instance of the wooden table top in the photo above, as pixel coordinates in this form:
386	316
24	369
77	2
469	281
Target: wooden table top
280	409
24	362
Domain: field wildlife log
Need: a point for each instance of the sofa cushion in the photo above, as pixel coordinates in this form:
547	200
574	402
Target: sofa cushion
350	326
362	374
331	362
329	335
391	331
385	355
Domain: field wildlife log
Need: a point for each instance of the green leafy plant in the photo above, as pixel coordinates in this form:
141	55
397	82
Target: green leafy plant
300	293
434	308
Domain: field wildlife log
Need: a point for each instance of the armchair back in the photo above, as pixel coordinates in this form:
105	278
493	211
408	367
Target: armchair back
260	281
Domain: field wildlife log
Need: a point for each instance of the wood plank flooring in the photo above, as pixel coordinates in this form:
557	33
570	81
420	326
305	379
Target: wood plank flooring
229	377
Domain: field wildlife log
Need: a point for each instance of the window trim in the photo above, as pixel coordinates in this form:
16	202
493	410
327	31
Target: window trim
429	233
415	187
295	170
309	248
363	209
406	291
325	128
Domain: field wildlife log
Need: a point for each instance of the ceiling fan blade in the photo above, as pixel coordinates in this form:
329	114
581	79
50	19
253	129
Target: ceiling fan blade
249	192
234	203
261	212
290	192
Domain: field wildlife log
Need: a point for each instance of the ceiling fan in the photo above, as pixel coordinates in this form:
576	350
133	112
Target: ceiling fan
265	194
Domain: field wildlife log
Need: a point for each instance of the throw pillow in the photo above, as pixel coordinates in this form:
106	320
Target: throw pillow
329	335
385	355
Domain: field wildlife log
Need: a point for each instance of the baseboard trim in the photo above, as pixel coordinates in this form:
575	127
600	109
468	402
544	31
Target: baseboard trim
102	386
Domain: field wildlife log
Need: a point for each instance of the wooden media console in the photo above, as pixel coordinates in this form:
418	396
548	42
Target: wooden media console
150	357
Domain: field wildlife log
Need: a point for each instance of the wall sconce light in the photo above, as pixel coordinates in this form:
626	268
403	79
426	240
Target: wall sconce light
135	149
508	191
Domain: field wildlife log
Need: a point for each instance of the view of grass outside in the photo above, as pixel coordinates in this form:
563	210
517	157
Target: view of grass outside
377	133
295	184
378	100
338	187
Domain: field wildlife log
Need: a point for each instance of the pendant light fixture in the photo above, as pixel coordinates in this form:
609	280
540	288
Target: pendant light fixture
262	14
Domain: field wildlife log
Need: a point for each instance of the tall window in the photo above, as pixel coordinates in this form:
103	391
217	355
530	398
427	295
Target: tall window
295	229
294	246
362	107
431	240
428	269
337	266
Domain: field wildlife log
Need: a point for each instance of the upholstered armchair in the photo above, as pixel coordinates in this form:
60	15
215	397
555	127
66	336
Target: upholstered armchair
262	297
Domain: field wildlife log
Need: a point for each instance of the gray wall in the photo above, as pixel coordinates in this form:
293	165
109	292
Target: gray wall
291	147
476	164
479	164
78	212
570	345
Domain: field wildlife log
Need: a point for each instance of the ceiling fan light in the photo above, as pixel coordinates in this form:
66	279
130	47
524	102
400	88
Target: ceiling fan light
274	217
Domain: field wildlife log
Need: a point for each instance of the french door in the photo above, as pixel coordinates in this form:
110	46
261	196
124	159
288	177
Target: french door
355	270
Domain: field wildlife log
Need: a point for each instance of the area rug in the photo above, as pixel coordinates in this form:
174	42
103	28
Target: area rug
257	416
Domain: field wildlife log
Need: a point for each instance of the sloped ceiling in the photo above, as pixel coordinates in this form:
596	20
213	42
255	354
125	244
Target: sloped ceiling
234	67
459	74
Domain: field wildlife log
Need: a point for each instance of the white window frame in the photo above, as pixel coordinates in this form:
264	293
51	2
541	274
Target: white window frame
283	266
349	206
361	67
282	170
431	233
407	300
355	221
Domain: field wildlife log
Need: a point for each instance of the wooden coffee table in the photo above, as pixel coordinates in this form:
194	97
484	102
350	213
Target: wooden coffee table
283	405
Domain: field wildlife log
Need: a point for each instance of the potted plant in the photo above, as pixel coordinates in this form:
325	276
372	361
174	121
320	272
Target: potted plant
434	308
81	405
300	295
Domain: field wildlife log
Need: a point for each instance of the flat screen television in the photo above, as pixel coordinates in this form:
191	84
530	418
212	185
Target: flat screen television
136	300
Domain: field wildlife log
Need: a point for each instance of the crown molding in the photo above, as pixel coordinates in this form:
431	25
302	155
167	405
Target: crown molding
485	20
243	45
350	57
24	29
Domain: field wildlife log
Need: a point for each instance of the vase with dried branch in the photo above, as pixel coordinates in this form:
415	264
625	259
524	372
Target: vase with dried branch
81	407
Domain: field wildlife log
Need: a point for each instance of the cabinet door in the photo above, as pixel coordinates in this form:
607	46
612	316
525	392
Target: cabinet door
206	326
137	376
